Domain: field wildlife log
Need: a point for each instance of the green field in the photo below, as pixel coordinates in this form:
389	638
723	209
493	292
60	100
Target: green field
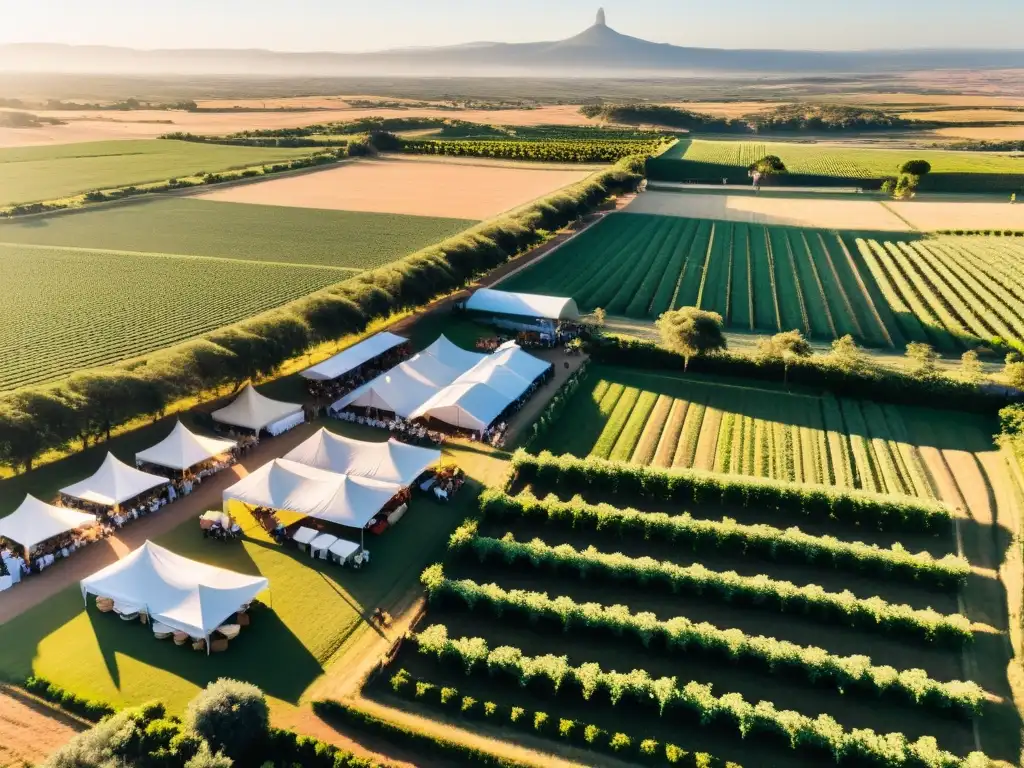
86	289
192	227
727	427
317	608
884	289
30	174
843	161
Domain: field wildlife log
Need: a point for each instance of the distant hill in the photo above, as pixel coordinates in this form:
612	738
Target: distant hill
597	50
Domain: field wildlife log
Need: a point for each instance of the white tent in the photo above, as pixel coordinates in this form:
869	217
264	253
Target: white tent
523	304
287	485
35	521
409	384
353	357
254	411
182	594
390	462
114	483
183	449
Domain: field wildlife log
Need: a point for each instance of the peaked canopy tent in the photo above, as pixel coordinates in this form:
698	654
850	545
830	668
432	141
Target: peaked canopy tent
287	485
523	304
390	462
35	522
183	449
113	484
182	594
406	386
251	410
353	357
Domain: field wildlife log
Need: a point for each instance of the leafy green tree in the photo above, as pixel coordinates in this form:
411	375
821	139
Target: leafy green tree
847	356
769	165
691	332
599	317
787	347
925	359
916	168
231	716
1013	373
970	367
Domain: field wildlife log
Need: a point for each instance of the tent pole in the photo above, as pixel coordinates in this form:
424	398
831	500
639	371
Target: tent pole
208	643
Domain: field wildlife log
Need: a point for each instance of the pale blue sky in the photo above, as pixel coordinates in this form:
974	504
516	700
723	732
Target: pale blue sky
345	25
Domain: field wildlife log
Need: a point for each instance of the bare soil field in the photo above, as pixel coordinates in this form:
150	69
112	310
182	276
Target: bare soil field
928	216
936	99
993	133
799	212
29	730
418	186
87	125
727	108
967	116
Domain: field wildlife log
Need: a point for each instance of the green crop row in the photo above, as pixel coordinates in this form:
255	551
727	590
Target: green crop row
694	487
571	151
679	635
812	601
621	745
694	703
790	545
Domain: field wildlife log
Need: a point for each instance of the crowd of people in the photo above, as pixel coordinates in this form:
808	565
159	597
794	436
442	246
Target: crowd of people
402	429
13	562
335	389
444	483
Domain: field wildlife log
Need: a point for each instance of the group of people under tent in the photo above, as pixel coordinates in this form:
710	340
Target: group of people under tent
403	429
334	389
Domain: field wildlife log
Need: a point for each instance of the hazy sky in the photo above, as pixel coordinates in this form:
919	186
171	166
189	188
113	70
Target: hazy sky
346	25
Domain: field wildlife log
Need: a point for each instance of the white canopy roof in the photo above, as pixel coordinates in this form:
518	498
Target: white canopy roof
254	411
183	594
287	485
477	397
183	449
411	383
35	521
523	304
353	357
114	482
390	462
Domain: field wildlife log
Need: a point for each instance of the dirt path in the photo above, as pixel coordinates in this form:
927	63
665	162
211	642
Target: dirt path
31	730
37	588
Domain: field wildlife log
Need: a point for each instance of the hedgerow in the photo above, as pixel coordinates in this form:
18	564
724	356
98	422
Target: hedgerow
816	666
694	703
697	487
789	545
646	751
873	614
90	709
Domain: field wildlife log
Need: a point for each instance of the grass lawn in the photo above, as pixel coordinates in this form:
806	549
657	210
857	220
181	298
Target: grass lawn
317	609
29	174
191	227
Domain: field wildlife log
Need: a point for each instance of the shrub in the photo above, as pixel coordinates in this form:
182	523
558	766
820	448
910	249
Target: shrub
231	715
89	709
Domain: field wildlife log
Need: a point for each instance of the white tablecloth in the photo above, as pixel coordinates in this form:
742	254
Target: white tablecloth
305	535
344	549
288	422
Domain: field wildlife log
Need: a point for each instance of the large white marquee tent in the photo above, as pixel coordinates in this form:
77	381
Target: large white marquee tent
389	462
254	411
353	357
182	594
287	485
465	389
183	449
35	521
114	483
523	305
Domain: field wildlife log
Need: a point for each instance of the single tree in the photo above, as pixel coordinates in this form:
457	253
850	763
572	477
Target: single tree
1013	373
916	168
599	317
846	355
970	367
691	332
925	359
906	187
787	347
231	716
769	165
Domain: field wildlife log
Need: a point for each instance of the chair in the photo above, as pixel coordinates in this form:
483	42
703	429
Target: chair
230	631
199	645
219	645
180	638
161	631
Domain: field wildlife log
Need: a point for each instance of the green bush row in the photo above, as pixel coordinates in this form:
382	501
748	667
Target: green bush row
425	744
728	536
565	150
811	600
90	709
621	745
90	404
688	486
637	691
848	674
864	382
549	416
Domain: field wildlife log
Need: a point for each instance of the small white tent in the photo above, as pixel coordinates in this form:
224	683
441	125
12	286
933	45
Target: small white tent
353	357
183	449
182	594
389	462
254	411
114	483
523	305
287	485
35	521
